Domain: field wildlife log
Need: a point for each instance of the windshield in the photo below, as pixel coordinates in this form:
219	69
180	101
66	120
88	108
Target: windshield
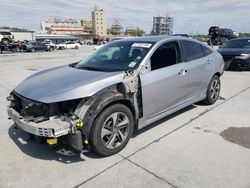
116	56
242	43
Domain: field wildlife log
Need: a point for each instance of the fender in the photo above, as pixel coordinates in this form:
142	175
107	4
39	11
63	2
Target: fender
89	110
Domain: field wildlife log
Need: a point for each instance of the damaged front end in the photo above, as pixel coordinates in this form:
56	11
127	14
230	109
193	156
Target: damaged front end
52	121
69	122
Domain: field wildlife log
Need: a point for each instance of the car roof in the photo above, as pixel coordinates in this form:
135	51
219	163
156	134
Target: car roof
155	38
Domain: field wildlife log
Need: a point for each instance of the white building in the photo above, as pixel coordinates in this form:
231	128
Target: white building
99	22
61	26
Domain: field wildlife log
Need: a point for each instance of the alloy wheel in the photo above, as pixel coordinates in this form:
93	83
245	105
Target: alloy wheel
215	89
115	130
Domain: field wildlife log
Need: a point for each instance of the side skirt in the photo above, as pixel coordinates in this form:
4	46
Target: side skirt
143	122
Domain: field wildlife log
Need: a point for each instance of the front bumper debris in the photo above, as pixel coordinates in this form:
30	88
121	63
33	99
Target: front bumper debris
52	128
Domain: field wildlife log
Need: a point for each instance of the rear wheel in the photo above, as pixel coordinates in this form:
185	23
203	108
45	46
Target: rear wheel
32	50
76	47
112	130
213	90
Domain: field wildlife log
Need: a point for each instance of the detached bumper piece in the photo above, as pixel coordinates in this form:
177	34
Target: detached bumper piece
75	141
52	128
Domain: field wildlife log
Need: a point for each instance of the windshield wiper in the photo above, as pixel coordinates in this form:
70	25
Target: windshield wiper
91	68
73	64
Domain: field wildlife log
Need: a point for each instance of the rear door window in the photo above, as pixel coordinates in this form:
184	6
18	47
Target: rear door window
192	50
166	55
206	51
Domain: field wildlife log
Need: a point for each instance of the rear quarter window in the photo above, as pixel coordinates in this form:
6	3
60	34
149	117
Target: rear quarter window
192	50
206	51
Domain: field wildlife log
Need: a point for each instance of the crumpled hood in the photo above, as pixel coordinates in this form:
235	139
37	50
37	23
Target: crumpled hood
65	83
233	51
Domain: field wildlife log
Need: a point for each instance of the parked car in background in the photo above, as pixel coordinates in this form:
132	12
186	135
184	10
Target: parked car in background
125	85
13	46
19	46
6	37
88	42
236	54
51	46
36	46
1	47
68	45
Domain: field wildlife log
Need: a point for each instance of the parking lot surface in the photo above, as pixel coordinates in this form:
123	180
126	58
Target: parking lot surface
200	146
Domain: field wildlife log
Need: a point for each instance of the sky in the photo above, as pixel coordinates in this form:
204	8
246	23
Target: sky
190	16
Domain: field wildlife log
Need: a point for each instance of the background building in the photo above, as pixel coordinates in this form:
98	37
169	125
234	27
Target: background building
61	26
134	31
116	28
162	25
99	22
87	26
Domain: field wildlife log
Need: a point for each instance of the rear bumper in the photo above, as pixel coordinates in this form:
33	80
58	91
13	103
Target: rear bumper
53	128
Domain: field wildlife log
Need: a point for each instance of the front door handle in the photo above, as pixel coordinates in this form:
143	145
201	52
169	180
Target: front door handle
183	72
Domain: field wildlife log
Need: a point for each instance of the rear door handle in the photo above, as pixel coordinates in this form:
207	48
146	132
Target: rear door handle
183	72
209	61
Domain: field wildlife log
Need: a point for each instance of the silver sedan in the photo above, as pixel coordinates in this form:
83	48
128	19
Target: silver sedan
127	84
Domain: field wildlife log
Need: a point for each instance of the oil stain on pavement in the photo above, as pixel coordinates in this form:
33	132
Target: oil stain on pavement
237	135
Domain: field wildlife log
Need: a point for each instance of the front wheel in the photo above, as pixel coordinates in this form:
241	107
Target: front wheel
112	130
5	41
213	90
51	49
76	47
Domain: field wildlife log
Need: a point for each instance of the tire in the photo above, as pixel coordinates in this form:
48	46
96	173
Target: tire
213	90
51	49
18	49
106	138
5	41
76	47
32	50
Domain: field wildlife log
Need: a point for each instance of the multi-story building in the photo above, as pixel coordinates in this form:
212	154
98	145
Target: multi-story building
99	22
134	31
61	26
87	26
162	25
116	28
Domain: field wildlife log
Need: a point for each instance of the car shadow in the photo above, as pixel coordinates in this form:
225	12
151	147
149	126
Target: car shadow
31	147
167	118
